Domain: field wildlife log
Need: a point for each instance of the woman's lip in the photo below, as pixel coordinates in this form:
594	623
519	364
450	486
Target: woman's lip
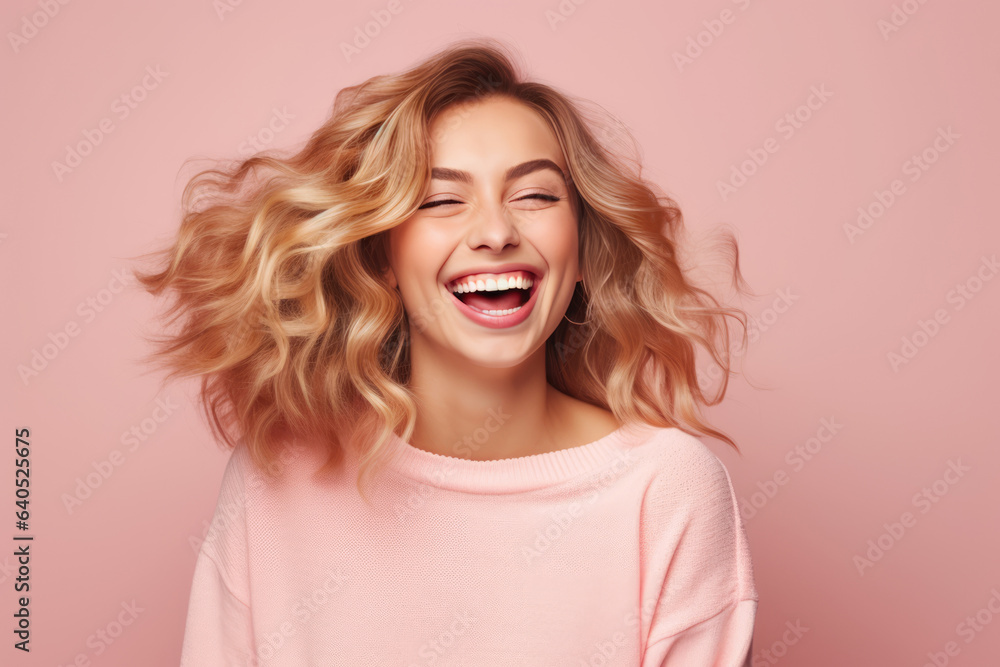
499	321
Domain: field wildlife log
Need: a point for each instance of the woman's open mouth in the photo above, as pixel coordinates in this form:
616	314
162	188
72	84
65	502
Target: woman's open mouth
496	303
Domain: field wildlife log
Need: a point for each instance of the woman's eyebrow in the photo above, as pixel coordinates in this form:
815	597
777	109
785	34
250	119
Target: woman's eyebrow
446	174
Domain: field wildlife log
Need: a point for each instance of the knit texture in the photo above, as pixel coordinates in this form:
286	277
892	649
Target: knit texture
629	550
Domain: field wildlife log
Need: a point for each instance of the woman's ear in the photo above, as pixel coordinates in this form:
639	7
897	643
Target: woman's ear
390	277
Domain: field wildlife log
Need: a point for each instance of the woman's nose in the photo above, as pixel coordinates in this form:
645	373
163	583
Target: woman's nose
493	226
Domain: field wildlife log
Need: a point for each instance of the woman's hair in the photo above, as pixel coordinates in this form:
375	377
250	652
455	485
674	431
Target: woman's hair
286	314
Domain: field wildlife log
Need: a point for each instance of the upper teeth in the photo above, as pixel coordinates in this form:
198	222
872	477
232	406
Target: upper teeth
503	282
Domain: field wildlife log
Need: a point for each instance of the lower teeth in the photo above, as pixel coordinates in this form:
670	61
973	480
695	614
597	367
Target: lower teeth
497	313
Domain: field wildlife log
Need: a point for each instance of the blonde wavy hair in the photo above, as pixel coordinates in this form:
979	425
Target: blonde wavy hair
285	314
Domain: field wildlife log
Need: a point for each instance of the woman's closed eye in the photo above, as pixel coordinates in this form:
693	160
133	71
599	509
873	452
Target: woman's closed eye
536	195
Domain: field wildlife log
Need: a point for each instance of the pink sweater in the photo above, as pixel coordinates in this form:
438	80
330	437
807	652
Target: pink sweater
629	550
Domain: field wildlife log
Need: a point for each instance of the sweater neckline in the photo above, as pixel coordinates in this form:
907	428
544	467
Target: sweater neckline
510	475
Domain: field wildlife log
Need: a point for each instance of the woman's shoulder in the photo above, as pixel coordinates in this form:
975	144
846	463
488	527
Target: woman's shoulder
669	449
287	459
682	472
676	449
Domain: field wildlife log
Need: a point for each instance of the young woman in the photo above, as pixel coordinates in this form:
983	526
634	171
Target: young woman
452	346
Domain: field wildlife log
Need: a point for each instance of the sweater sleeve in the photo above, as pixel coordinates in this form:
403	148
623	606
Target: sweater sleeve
219	629
699	580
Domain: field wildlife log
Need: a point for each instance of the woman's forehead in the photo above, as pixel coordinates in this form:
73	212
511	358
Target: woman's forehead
490	121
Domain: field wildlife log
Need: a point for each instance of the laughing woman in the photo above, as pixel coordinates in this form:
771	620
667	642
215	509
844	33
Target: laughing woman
452	348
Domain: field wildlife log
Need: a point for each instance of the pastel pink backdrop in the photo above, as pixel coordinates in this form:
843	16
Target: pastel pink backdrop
831	310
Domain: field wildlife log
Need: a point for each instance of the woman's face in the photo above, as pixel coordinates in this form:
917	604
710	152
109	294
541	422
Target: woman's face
498	208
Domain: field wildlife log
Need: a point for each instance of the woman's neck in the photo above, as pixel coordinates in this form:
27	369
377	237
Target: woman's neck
486	414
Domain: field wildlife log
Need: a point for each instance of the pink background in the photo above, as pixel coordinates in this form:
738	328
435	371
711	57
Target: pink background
823	357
